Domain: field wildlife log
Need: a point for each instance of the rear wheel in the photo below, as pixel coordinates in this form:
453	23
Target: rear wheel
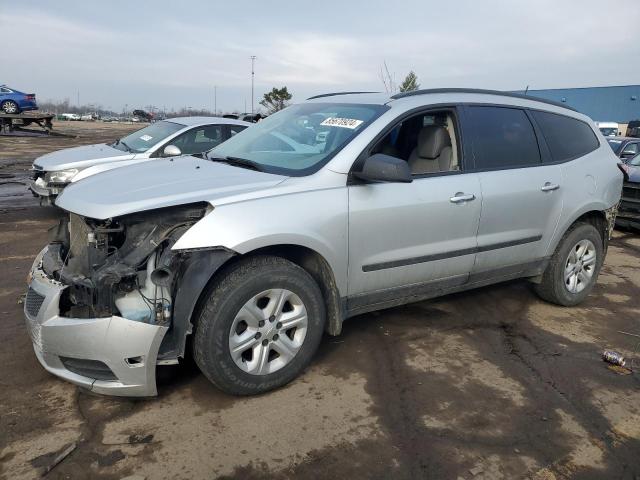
260	326
10	106
574	267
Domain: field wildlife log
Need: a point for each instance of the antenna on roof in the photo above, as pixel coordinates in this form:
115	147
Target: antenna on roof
526	90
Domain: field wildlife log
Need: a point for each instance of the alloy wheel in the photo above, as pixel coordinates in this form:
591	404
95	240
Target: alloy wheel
268	331
580	266
10	107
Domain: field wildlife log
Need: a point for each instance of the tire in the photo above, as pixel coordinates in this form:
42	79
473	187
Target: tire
10	106
250	299
573	289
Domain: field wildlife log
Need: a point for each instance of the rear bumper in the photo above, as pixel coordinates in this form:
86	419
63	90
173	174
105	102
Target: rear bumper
127	349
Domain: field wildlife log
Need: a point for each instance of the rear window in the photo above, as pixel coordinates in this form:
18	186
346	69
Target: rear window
567	137
502	138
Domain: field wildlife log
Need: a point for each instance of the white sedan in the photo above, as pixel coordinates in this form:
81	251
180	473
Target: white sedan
173	137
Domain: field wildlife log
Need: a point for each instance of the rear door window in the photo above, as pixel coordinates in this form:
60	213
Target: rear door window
199	139
502	138
567	137
630	149
235	129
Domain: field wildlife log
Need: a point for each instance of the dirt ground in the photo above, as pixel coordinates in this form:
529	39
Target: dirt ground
487	384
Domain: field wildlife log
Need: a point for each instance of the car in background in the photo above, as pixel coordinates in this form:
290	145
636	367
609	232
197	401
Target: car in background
12	101
252	117
178	136
142	116
633	129
629	209
609	129
624	147
69	117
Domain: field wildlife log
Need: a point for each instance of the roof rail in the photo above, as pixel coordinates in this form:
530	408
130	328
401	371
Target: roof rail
483	92
336	93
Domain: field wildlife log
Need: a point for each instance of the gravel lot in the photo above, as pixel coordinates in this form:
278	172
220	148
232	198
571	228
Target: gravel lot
492	383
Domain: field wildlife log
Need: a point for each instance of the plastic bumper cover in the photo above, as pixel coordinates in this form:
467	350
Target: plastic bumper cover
128	348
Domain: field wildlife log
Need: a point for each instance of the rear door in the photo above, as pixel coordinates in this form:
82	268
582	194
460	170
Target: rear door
521	195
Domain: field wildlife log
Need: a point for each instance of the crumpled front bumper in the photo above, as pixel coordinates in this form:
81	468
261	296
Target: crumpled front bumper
128	348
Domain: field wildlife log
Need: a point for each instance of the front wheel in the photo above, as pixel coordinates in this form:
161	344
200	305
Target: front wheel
260	326
574	267
10	107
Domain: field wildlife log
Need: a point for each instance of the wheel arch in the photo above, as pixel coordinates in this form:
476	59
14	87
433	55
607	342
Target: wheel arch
601	218
316	265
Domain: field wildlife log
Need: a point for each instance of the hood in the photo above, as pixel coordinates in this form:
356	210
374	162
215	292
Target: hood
80	157
157	184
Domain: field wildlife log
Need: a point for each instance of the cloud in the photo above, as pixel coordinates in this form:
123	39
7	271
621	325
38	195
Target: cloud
128	52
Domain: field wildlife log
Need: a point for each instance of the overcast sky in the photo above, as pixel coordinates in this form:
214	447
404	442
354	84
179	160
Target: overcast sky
172	53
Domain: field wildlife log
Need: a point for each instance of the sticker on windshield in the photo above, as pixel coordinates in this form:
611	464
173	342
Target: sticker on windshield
146	138
351	123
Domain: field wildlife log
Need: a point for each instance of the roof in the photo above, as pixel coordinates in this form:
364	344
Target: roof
195	121
622	139
619	103
386	98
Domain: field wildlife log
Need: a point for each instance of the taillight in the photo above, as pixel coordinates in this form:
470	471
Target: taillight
624	168
30	97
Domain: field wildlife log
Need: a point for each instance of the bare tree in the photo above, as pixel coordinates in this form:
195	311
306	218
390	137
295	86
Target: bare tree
387	80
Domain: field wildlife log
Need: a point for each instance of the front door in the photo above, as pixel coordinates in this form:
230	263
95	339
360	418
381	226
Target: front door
411	234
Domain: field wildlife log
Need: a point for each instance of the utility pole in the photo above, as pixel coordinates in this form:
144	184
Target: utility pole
215	100
78	97
253	74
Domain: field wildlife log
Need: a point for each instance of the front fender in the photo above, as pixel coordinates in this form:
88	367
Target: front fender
317	220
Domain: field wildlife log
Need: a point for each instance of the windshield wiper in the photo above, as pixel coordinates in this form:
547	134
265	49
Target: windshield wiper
125	145
238	162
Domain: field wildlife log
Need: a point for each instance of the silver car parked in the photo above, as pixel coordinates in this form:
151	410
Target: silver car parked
186	135
341	205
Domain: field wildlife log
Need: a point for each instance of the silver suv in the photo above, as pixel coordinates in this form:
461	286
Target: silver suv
341	205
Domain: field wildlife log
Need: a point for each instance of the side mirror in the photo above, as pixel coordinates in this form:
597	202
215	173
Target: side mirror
171	151
384	168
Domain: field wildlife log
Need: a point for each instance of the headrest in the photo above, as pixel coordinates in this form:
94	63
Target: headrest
432	139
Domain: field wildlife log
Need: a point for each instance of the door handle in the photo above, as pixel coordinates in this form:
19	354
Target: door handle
461	197
548	187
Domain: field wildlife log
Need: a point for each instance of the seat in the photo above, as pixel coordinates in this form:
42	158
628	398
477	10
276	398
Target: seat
433	152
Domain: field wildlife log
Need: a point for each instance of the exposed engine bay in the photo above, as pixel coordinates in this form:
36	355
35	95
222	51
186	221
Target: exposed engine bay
125	266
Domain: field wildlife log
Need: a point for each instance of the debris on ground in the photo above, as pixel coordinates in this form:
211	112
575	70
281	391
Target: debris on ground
60	457
477	470
613	357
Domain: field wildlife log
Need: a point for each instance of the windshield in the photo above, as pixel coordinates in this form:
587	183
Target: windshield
301	138
142	140
609	132
615	145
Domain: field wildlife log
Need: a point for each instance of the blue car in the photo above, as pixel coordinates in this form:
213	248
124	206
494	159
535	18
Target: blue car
13	101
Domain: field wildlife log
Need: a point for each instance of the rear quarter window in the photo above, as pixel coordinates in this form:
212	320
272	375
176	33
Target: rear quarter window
567	138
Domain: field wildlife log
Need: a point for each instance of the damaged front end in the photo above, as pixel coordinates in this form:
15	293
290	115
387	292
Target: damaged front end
109	299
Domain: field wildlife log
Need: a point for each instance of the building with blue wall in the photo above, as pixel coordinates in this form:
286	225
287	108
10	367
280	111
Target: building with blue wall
603	104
